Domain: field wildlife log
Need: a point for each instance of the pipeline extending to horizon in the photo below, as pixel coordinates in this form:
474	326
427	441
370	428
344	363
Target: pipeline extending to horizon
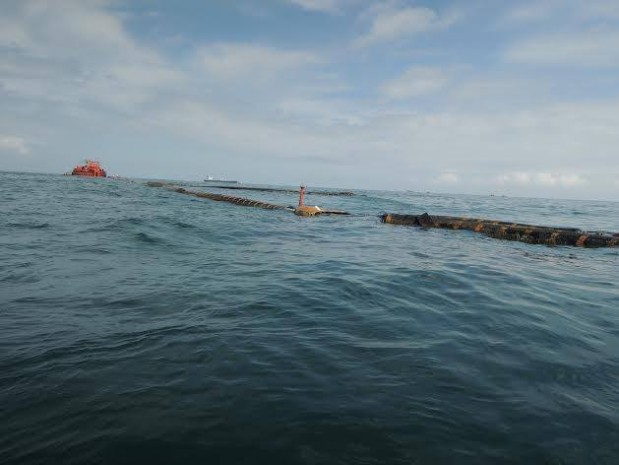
287	191
242	201
527	233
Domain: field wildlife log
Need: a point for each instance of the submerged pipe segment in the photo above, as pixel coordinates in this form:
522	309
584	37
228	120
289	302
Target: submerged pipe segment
530	234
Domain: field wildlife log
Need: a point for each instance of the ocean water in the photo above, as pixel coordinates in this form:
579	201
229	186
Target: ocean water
138	325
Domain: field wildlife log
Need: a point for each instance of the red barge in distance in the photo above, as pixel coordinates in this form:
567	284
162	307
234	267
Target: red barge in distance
91	168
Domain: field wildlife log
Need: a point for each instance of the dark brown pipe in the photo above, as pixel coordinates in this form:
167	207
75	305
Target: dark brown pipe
530	234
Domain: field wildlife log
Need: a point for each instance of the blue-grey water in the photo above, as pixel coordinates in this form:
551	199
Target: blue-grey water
138	325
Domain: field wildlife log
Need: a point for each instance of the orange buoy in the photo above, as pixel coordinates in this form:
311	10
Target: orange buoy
305	210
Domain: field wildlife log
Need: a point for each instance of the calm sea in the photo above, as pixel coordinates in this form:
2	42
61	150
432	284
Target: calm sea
138	325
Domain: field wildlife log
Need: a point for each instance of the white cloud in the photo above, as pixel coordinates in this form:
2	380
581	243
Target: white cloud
323	112
529	12
83	24
563	180
424	143
250	61
518	177
448	177
543	179
603	9
14	144
415	82
389	22
567	11
329	6
75	53
585	49
501	90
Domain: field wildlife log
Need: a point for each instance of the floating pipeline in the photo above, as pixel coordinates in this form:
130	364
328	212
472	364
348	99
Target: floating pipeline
530	234
527	233
237	200
230	199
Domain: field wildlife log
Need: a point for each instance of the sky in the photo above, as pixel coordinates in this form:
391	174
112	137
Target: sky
516	97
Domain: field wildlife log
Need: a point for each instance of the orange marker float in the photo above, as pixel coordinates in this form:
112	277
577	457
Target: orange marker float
305	210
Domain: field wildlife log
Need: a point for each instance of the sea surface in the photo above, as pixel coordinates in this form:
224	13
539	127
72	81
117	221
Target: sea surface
138	325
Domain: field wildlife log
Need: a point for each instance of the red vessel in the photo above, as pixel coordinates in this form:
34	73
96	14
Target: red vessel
91	168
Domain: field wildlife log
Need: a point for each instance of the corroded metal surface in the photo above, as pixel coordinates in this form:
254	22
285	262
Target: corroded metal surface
306	210
530	234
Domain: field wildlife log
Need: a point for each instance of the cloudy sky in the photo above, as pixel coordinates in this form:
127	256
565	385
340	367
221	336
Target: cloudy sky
472	96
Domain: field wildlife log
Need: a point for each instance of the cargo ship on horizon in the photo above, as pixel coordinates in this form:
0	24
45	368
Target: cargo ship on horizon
220	180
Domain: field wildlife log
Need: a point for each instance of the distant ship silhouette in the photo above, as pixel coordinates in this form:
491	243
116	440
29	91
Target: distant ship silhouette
220	180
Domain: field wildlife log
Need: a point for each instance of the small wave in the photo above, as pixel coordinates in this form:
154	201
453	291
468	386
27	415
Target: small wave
183	225
27	225
148	238
19	278
118	225
133	221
